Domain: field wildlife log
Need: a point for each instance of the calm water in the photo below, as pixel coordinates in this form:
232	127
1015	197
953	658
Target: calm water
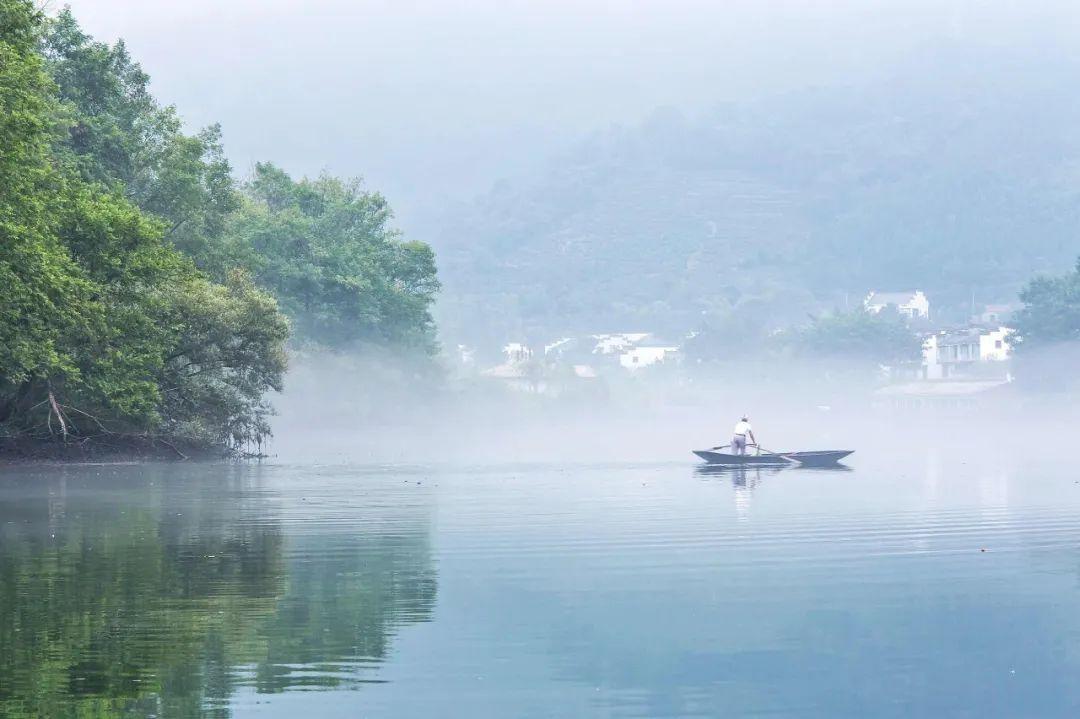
648	590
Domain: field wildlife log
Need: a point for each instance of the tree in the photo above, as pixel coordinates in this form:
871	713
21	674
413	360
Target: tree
1051	312
884	337
45	295
326	250
136	274
116	134
104	326
228	352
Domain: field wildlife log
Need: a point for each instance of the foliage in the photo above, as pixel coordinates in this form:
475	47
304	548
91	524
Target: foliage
139	280
884	337
325	249
45	294
229	351
117	135
1051	310
104	327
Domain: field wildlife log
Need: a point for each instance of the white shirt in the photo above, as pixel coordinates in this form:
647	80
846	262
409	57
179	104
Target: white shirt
743	428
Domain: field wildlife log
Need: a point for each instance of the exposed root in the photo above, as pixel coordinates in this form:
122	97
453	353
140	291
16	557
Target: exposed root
59	416
172	447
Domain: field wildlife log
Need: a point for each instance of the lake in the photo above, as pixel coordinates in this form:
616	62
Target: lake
934	586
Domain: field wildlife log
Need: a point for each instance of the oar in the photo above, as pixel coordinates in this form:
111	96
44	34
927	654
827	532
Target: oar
723	446
775	454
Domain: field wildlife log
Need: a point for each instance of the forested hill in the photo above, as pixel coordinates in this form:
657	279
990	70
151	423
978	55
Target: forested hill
147	296
959	176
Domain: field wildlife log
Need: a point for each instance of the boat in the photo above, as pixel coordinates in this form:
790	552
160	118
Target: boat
738	460
818	458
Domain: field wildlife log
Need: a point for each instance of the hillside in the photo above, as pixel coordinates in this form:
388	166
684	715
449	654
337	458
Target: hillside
960	181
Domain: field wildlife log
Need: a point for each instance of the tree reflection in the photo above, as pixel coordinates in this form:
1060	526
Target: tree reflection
126	595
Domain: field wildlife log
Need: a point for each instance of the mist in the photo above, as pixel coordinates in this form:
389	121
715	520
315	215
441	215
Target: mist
433	102
505	133
539	357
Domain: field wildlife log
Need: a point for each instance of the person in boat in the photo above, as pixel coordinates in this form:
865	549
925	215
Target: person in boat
742	432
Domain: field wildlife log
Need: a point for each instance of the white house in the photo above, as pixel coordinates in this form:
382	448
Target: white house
911	304
616	343
994	345
559	346
638	357
952	353
517	352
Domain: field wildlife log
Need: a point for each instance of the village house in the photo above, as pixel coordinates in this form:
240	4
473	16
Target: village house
996	315
560	347
554	374
958	353
638	357
994	345
607	344
517	352
912	304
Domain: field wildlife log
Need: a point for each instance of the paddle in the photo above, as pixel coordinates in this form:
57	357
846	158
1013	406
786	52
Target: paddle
759	448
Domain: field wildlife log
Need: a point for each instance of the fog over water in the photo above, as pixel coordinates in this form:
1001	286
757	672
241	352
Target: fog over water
332	413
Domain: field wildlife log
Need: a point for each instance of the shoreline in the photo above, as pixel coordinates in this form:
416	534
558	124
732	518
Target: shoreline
117	450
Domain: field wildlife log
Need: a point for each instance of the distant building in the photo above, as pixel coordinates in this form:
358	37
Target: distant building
560	347
517	352
994	345
958	353
996	315
644	356
912	304
609	344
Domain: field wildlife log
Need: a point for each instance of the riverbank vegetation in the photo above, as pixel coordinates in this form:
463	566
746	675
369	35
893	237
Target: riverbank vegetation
148	296
1051	311
856	336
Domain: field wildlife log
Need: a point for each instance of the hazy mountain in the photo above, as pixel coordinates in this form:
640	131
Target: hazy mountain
957	174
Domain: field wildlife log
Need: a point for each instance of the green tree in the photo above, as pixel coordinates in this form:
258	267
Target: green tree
228	351
326	250
105	327
1051	312
45	295
884	337
115	133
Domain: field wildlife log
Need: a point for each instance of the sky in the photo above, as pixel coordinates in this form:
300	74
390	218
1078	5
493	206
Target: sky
432	102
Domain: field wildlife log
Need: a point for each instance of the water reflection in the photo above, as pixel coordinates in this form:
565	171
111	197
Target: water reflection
745	479
128	591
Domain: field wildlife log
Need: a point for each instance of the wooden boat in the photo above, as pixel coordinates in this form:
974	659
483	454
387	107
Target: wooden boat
820	458
738	460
